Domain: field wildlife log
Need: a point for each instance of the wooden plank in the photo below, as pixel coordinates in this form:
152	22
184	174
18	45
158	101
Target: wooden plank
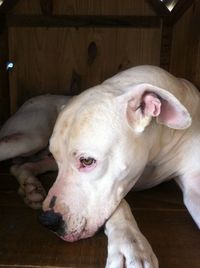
4	9
197	75
2	22
82	21
166	45
159	212
179	9
193	55
159	8
8	5
87	7
4	87
171	17
185	57
58	60
180	48
46	7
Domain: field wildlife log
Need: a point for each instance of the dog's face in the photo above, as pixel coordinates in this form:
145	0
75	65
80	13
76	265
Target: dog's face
100	150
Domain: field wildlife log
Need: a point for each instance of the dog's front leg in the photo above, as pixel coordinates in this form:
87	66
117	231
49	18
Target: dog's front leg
190	185
31	189
127	247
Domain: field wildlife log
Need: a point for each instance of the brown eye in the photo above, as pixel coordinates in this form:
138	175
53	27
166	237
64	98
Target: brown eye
87	161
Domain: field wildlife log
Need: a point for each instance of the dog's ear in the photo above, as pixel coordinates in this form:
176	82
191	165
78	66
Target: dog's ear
145	101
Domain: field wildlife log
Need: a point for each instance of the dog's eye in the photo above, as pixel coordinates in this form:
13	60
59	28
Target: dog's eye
88	161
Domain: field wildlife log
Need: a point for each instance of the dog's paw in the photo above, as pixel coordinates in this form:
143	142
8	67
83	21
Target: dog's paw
32	192
30	189
130	251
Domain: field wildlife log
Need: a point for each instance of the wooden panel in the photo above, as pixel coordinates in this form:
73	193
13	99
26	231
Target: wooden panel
197	74
166	44
87	7
82	21
194	46
69	60
185	57
160	214
7	6
179	9
180	45
4	92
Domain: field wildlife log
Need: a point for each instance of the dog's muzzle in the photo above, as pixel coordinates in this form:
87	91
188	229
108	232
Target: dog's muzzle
53	221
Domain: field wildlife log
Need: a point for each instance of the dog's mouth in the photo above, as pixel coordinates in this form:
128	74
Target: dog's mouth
75	236
68	228
78	234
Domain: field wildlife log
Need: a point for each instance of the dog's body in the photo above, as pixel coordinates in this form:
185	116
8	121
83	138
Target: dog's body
25	137
133	130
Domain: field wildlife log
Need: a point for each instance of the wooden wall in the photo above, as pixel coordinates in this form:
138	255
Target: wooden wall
4	92
84	7
54	55
185	54
67	60
58	60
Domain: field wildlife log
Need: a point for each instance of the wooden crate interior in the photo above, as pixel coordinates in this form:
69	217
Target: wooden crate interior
65	47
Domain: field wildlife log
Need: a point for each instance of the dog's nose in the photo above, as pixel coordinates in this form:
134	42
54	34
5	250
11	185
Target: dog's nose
52	221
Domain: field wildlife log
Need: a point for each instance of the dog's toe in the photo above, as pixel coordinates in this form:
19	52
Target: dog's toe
33	205
32	192
130	250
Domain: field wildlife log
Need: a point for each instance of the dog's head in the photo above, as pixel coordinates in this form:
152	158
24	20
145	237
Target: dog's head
101	145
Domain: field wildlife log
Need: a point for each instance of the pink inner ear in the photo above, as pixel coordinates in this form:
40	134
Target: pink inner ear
171	115
152	104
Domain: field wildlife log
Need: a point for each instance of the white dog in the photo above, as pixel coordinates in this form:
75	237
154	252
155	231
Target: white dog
133	130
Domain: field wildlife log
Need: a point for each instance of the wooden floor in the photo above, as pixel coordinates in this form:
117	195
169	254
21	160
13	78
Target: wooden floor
159	213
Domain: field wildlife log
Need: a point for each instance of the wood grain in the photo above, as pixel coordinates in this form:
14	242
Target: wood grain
166	45
159	212
185	56
83	21
88	7
46	58
180	47
4	89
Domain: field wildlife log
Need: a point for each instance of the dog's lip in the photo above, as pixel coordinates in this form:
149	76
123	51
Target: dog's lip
83	234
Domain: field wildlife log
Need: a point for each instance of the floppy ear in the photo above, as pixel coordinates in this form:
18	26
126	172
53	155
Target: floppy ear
145	101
